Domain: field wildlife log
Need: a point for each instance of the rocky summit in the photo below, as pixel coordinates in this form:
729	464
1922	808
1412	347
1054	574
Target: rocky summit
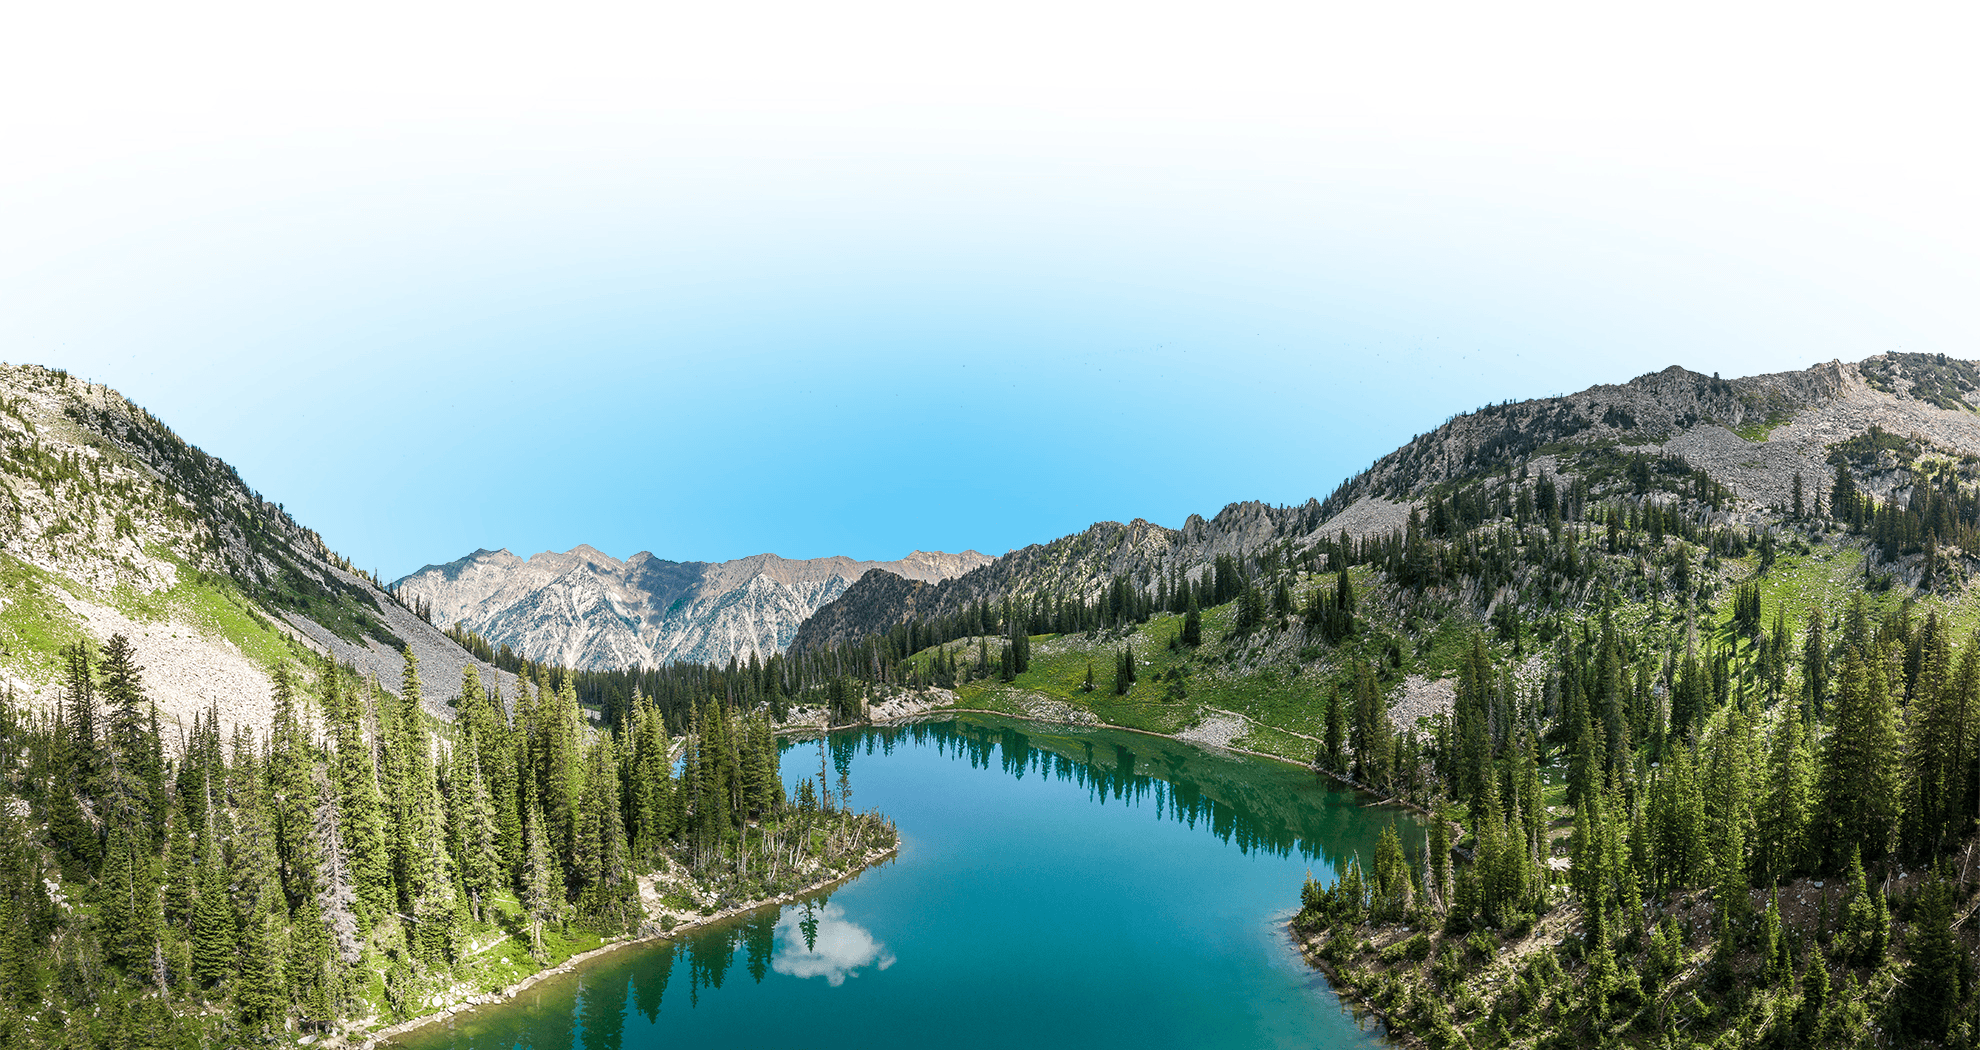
586	609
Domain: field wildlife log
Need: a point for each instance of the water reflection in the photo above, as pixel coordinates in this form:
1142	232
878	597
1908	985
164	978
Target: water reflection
716	981
1241	801
820	942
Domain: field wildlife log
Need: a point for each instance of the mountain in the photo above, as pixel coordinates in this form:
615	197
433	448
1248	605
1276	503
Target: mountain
111	523
1077	566
586	609
1882	416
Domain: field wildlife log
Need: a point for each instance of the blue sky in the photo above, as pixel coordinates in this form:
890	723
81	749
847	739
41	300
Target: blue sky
894	276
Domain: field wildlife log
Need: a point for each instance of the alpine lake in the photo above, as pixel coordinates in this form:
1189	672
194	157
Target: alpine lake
1055	886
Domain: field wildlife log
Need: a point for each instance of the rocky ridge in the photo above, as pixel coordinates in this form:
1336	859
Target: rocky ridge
1752	435
583	608
111	523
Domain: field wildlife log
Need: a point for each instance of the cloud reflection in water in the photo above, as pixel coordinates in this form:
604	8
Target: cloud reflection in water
837	948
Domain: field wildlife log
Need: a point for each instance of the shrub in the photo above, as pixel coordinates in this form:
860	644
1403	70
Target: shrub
1414	949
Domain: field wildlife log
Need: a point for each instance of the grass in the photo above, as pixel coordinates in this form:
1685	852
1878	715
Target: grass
1757	430
34	622
1058	671
1271	741
214	605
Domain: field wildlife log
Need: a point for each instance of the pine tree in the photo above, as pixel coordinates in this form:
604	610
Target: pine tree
1934	985
1335	741
473	817
1391	873
311	975
361	815
538	883
1934	775
213	929
1861	794
127	898
137	761
1787	807
1369	733
651	783
1866	923
181	888
259	993
433	882
1815	667
292	796
1440	857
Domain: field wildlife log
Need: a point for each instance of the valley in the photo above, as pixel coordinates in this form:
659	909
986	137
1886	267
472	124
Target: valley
1680	674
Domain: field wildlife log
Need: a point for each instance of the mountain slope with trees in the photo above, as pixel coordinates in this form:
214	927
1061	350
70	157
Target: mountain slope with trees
111	523
1705	752
1751	437
352	866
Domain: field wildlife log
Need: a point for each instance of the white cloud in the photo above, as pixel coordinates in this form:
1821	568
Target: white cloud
838	951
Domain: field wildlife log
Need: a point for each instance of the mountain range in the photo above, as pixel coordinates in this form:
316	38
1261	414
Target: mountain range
1753	435
586	609
109	522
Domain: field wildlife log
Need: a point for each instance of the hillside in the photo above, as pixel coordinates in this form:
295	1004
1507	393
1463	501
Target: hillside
584	609
1703	762
1080	566
111	523
1884	415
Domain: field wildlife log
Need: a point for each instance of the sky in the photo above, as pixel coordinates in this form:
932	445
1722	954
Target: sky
861	278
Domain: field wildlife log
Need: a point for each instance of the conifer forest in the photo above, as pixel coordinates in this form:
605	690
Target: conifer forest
1702	782
364	861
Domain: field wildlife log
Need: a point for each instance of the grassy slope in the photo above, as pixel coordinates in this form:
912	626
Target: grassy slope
35	623
1283	687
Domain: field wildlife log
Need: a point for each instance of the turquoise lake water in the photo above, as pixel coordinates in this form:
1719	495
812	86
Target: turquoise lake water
1055	887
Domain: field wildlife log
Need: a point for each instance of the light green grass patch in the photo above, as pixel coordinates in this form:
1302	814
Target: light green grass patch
1270	741
34	622
1757	430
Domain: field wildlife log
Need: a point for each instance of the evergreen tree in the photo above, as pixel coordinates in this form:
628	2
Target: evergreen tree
473	819
259	993
213	930
538	882
1787	807
292	796
1935	981
127	898
136	771
1369	733
1861	795
361	807
1335	741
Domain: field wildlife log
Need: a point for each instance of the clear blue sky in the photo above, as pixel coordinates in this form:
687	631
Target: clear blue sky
873	278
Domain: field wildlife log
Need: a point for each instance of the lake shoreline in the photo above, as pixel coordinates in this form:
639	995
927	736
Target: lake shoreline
383	1036
938	713
1309	950
1306	948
